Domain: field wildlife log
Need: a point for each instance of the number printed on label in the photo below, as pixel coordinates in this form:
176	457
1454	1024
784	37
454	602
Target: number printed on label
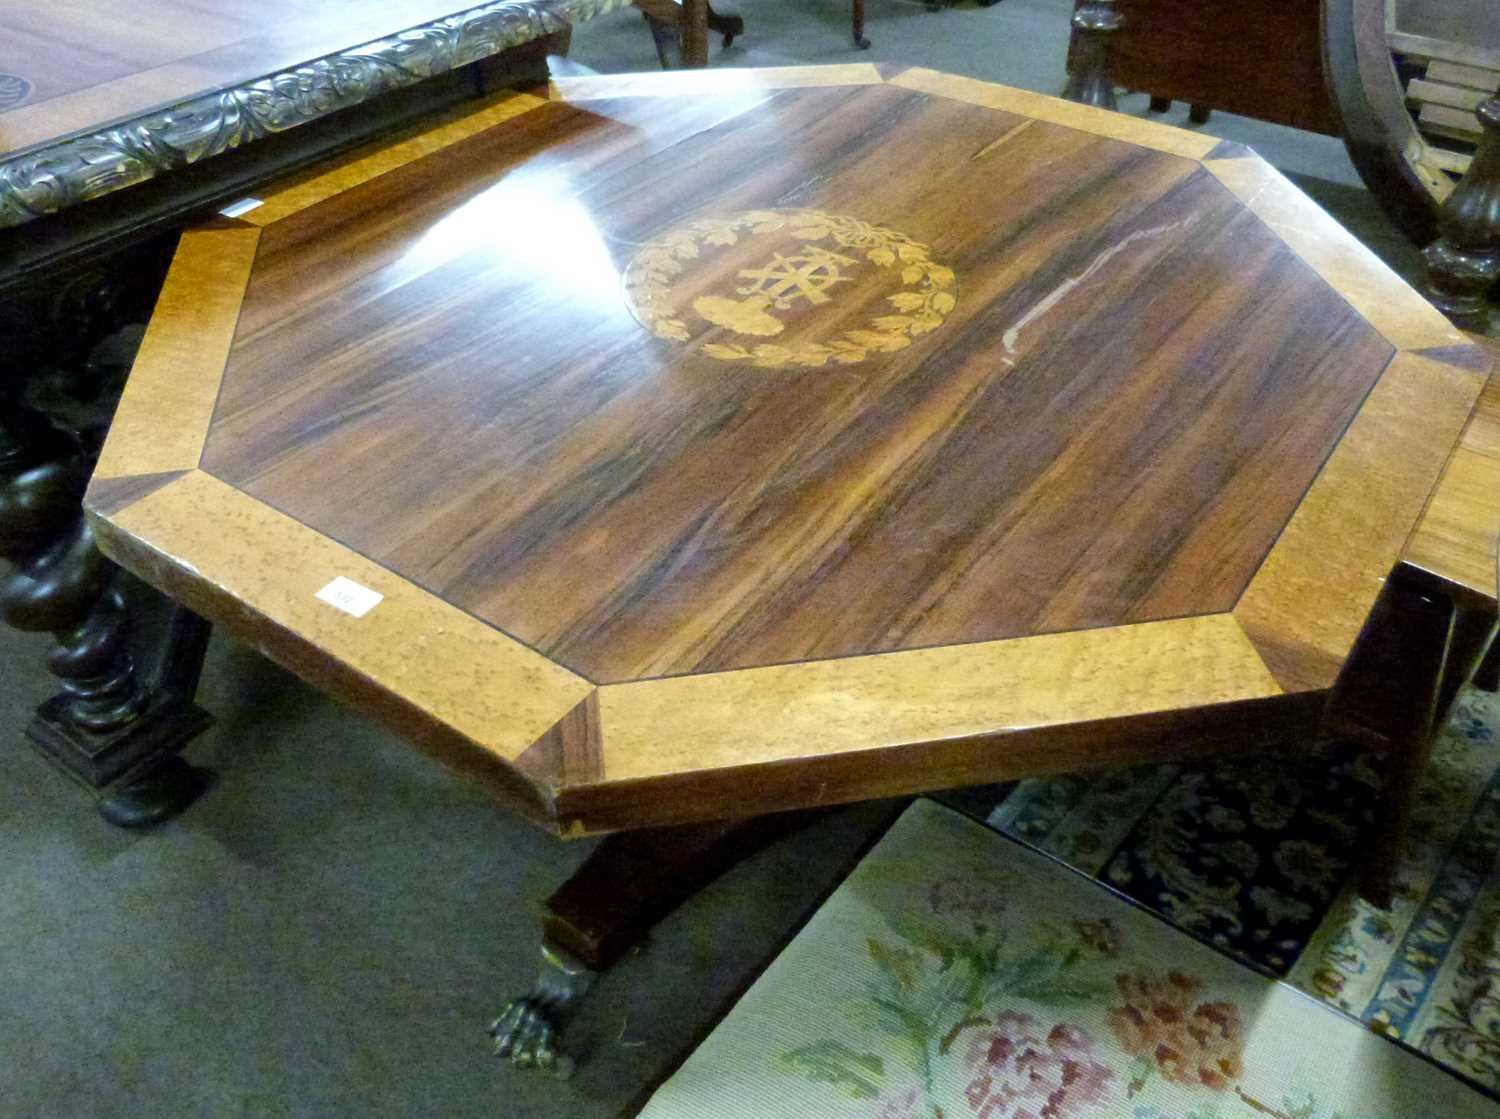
350	597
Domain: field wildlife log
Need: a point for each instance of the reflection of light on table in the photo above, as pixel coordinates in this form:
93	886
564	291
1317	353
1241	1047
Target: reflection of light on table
632	99
528	225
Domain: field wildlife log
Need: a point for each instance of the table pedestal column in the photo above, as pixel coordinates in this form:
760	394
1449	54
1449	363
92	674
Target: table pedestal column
1418	648
633	881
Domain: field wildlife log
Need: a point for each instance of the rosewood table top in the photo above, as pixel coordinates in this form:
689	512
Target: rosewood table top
687	445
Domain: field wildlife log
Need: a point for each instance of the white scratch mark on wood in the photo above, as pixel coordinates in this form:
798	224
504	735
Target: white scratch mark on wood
1061	292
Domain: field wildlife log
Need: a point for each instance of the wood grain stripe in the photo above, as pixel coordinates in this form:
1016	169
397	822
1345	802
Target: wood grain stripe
487	687
168	401
1406	320
110	495
570	753
1305	605
1477	359
1099	122
761	715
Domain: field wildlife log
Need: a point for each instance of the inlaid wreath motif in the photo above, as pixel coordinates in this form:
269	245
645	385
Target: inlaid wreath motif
926	297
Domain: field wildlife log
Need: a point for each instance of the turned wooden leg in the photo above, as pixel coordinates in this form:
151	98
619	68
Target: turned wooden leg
857	16
165	784
629	884
1416	651
726	24
1095	22
663	37
683	29
695	34
105	726
1464	262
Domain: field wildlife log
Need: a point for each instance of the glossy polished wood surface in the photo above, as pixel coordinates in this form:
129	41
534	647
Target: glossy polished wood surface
87	63
810	435
437	369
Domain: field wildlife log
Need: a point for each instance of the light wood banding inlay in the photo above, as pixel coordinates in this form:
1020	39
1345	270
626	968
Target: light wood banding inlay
164	413
726	444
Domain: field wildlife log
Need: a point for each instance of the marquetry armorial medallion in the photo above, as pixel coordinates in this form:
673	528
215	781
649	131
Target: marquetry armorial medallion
14	89
828	288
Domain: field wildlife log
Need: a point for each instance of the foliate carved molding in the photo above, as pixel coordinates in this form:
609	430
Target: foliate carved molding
85	167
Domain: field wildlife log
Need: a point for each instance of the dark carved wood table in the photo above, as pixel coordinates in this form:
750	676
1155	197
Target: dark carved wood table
674	449
119	124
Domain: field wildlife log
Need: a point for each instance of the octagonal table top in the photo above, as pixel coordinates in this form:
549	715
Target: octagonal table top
672	446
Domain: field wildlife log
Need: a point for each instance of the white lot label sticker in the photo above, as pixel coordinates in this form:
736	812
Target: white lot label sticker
350	597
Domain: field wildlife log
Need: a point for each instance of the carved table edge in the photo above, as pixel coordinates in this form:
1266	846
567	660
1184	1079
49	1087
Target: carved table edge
81	167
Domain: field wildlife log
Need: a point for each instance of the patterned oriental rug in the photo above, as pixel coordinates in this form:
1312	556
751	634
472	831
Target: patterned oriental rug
1257	857
959	973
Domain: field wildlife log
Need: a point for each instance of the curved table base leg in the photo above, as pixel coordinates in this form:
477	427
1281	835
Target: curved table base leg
630	883
1417	650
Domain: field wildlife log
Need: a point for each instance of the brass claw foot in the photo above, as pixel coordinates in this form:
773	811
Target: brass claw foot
527	1031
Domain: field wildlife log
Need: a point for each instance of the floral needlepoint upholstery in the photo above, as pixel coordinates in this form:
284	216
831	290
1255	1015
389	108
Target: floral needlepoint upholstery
957	974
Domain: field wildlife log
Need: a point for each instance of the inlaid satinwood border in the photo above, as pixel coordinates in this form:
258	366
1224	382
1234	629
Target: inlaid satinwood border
1459	533
1305	605
1387	302
582	758
927	695
472	694
163	416
1054	110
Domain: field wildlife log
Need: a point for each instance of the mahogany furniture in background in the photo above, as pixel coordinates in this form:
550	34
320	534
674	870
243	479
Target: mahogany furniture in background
683	27
678	448
1463	264
1258	58
1406	79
